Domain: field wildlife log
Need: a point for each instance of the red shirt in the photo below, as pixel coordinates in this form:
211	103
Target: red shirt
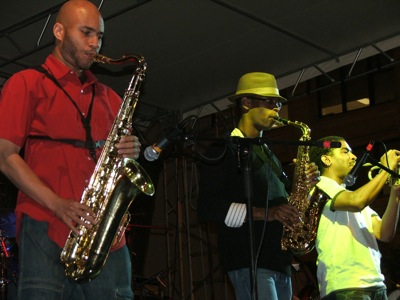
31	104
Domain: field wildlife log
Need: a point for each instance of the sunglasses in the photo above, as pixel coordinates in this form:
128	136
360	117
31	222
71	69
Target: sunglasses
269	103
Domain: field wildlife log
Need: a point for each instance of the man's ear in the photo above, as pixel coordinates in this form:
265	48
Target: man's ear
246	103
58	31
326	160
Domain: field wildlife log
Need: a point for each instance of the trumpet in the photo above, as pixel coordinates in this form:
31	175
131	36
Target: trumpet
395	180
392	180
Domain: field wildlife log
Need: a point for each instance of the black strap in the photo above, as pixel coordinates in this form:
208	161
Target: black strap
261	151
75	143
89	144
265	155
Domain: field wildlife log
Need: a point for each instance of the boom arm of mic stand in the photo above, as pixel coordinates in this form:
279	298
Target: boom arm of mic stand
266	140
259	141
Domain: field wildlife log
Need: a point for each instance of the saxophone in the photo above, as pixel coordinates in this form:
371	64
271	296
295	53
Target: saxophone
307	199
112	188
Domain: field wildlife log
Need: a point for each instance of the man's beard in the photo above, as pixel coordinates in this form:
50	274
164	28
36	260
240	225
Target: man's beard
72	53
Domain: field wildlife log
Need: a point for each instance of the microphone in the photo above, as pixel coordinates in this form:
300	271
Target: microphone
151	153
351	178
327	144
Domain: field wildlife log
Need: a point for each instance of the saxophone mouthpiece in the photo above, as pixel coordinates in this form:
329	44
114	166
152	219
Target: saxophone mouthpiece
135	58
101	58
282	120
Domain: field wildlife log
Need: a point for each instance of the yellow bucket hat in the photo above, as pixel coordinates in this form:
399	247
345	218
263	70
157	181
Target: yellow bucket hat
257	84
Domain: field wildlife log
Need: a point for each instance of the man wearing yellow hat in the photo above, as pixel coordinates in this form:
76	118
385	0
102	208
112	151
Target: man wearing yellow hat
222	197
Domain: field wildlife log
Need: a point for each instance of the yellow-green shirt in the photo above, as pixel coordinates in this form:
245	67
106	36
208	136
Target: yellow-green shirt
348	253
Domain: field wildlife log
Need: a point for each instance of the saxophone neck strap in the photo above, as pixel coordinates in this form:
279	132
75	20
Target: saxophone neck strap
89	144
265	154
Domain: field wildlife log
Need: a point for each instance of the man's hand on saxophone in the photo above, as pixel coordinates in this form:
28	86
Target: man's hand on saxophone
287	214
312	174
73	214
129	146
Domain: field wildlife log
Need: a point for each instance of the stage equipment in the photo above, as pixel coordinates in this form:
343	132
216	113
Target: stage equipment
8	261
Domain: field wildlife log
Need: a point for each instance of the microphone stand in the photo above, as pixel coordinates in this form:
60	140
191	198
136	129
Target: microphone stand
244	155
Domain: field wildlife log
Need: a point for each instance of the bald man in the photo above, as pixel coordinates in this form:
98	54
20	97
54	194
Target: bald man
46	114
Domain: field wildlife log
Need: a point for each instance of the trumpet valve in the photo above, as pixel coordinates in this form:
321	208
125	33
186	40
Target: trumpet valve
395	180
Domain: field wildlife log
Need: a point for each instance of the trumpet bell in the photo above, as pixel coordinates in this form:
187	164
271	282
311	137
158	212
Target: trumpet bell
392	180
373	171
